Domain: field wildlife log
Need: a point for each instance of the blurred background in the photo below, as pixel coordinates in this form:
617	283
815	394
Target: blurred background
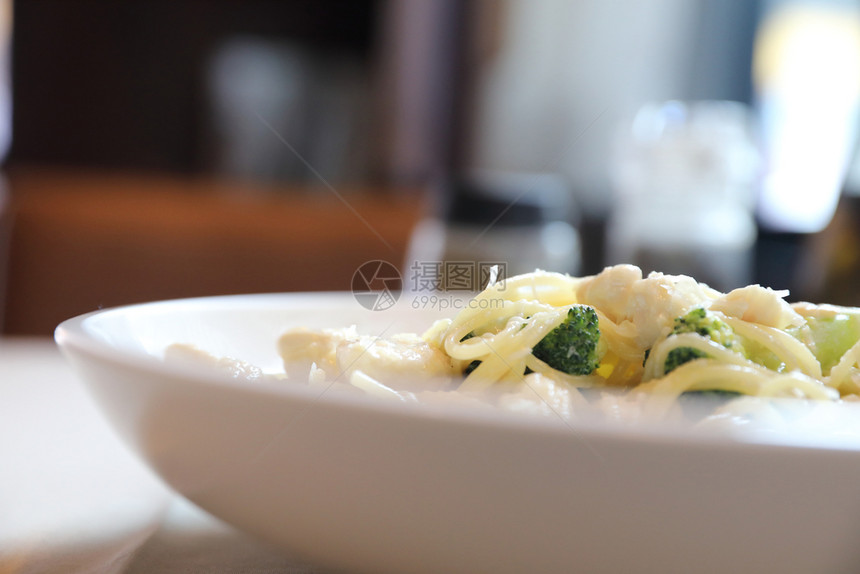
170	149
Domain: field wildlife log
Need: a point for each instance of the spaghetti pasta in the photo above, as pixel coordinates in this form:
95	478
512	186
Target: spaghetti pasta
648	339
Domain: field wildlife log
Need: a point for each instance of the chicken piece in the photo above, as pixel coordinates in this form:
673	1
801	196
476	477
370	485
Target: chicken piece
646	308
761	305
403	362
180	353
659	299
301	347
610	291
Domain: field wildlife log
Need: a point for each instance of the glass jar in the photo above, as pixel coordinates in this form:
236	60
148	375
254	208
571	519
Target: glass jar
684	180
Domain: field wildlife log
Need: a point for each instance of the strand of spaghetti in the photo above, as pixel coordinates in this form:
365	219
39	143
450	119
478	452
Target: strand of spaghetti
371	386
504	357
538	286
616	340
494	368
516	336
514	345
437	331
580	381
655	365
841	373
484	376
793	353
794	384
626	373
527	338
709	374
517	329
470	320
512	348
474	314
544	286
521	317
661	395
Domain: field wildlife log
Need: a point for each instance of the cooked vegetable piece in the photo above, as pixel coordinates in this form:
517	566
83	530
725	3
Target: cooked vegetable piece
832	335
572	347
702	323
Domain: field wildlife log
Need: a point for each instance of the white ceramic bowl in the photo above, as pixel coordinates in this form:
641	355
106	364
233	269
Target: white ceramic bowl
364	485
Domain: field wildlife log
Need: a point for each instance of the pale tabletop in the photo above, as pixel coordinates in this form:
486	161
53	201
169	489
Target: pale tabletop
74	500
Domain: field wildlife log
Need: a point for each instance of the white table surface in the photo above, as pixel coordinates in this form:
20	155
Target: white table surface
74	500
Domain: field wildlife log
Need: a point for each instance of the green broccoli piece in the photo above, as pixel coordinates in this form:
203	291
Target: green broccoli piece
701	322
705	324
677	357
832	331
572	347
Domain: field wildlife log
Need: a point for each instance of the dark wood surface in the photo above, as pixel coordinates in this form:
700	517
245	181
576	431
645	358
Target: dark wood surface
83	241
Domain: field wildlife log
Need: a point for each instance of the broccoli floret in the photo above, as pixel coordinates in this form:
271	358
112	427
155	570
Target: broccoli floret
677	357
701	322
705	324
572	347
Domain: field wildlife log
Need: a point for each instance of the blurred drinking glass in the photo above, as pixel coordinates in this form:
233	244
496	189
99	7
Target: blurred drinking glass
684	179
